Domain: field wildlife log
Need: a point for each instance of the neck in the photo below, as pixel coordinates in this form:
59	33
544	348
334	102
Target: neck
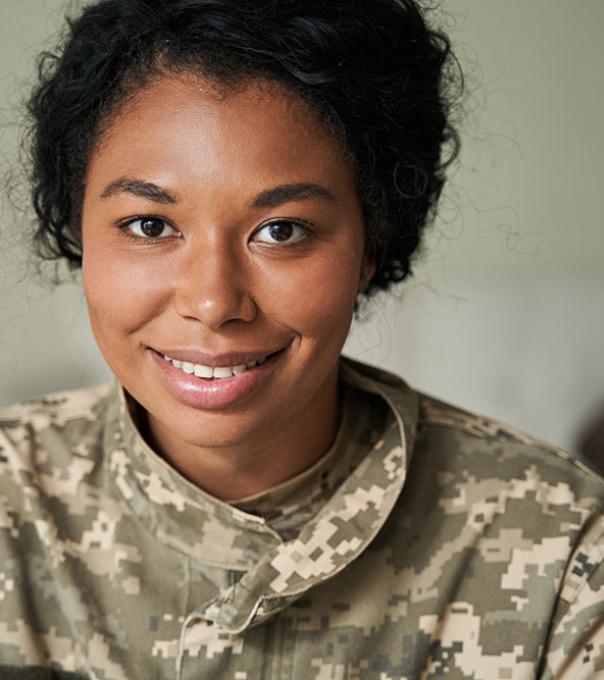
262	461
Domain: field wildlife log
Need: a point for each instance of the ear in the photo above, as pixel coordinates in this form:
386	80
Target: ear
367	270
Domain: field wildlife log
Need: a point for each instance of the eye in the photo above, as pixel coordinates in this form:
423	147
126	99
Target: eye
149	228
283	231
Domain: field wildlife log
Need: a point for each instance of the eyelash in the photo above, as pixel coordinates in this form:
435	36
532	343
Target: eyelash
308	227
150	240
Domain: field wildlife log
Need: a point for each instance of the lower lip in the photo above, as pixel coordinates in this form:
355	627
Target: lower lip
218	392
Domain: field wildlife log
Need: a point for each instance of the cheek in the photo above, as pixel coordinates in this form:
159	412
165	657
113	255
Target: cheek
120	291
315	298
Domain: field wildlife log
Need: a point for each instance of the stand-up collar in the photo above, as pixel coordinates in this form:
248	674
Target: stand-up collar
181	515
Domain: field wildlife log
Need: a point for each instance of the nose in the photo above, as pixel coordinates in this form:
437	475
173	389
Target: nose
212	287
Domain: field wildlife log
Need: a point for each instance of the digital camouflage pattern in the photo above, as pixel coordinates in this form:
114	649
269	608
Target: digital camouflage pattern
450	547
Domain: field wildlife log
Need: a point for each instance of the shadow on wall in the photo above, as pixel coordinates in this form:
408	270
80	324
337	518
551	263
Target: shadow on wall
590	441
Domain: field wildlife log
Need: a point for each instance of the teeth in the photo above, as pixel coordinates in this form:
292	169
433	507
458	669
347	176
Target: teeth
218	372
203	371
222	372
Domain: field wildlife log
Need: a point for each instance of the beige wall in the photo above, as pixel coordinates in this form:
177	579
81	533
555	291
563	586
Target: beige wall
506	312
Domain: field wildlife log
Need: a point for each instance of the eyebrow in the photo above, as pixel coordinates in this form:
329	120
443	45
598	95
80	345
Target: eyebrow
284	193
140	188
270	198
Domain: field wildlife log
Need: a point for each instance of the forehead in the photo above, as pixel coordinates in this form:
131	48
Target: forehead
187	126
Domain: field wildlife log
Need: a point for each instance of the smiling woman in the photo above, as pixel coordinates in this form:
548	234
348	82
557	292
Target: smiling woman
242	502
201	248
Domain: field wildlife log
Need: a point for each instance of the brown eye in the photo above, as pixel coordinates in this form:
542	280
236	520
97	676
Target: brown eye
281	232
150	228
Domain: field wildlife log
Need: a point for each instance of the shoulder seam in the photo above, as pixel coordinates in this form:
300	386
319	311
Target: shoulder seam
434	413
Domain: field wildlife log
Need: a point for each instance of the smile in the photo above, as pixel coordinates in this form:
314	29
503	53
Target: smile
216	386
213	372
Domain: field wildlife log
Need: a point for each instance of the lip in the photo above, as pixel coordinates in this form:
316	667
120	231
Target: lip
202	393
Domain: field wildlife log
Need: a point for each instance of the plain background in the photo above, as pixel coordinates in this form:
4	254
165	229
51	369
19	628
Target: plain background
505	315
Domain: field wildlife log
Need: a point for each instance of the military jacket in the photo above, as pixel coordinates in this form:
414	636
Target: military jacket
436	543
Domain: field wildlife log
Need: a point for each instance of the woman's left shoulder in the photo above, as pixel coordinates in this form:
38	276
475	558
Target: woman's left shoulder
518	525
488	447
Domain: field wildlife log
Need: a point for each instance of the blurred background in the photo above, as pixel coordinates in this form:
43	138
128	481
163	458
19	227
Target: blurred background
505	313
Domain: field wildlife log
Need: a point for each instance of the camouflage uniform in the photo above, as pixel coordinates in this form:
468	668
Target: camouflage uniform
432	543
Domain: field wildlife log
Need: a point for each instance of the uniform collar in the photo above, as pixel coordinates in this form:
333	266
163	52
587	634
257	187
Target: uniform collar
178	513
216	533
345	526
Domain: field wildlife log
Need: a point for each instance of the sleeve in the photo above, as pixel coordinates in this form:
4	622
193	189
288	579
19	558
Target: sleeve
575	646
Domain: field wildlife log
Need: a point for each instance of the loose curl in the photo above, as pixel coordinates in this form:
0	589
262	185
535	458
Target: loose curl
373	71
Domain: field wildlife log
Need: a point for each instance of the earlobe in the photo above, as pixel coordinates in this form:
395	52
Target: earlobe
365	279
367	272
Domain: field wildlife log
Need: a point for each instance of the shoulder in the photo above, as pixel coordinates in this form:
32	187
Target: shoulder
50	464
515	491
534	512
530	511
485	445
46	432
55	408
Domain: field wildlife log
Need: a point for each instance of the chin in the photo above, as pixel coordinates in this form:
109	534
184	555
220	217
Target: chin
217	429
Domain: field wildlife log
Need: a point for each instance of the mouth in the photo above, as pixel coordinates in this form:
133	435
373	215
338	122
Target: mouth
239	365
222	381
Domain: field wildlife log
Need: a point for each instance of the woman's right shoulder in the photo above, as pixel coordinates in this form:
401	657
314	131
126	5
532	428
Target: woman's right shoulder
47	429
57	406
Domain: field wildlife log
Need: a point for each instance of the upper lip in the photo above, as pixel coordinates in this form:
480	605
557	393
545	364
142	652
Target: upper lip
194	356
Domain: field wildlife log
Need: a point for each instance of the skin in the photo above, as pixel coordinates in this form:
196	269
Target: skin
213	283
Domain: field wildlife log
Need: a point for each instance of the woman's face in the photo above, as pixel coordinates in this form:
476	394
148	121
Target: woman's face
219	230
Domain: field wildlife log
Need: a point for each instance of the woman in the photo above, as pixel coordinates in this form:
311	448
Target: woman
242	503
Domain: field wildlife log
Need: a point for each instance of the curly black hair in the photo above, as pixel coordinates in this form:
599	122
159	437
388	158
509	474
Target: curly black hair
373	70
